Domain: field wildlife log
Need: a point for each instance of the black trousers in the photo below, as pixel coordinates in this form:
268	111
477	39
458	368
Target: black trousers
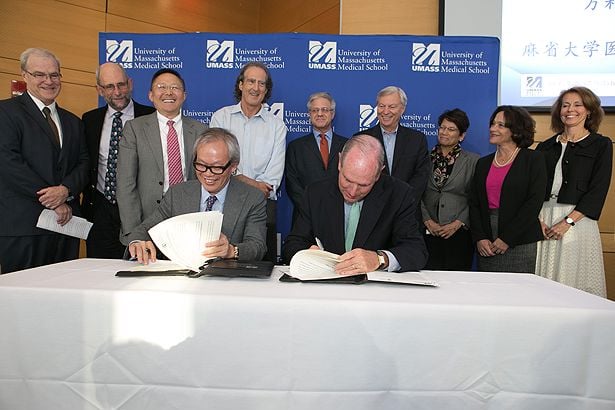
23	252
454	253
104	238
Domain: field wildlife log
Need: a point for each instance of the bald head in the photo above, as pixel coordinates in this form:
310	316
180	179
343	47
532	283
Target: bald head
113	85
360	165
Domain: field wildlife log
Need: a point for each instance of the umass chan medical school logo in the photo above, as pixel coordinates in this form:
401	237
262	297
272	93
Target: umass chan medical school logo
368	117
220	54
119	51
322	56
426	57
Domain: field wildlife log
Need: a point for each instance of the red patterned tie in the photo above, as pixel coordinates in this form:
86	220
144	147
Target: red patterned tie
324	150
174	156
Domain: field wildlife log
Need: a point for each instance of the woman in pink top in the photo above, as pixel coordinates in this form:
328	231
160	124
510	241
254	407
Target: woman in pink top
507	193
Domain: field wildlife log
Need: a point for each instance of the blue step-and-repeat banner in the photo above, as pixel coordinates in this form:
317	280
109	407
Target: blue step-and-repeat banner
437	73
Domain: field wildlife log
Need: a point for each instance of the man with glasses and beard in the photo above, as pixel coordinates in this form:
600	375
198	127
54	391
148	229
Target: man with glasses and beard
103	131
215	160
44	166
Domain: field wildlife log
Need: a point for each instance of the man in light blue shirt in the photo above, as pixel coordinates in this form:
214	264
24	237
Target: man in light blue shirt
262	139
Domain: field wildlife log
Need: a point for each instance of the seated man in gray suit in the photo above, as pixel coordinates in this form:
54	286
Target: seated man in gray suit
154	152
215	159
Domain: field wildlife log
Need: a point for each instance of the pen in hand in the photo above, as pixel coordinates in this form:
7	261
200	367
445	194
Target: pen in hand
319	244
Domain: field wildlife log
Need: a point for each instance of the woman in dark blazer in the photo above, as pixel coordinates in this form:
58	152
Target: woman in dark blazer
444	205
579	166
507	193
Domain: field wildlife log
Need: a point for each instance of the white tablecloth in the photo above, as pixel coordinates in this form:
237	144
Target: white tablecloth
73	336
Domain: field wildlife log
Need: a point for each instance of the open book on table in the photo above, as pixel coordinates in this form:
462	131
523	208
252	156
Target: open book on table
182	239
311	265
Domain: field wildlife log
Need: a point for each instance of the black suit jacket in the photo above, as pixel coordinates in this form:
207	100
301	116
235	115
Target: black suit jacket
304	164
411	161
387	222
521	199
586	170
93	123
31	160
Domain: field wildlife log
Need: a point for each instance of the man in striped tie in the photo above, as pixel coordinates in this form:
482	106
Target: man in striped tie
364	215
154	152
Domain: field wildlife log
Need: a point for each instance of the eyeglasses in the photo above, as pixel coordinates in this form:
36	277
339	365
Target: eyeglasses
254	81
38	76
216	170
323	110
110	87
448	129
174	88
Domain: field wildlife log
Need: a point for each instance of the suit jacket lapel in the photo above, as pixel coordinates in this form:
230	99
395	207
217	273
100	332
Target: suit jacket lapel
334	211
373	204
152	131
189	134
232	208
39	118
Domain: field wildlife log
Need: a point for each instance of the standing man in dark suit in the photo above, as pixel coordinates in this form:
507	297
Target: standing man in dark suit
99	199
44	165
363	215
155	151
405	148
313	156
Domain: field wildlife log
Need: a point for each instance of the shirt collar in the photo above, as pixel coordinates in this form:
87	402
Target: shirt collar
126	112
221	195
41	105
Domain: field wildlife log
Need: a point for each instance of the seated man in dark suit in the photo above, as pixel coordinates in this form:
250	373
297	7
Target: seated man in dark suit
314	156
364	215
215	159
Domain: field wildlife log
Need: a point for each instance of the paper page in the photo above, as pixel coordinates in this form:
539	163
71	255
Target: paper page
312	264
77	227
158	266
182	238
410	278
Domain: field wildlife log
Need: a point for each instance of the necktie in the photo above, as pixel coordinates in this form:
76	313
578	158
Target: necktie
209	203
52	124
353	221
114	141
324	149
174	156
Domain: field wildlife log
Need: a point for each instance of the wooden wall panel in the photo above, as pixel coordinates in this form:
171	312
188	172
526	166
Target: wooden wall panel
326	23
71	32
418	17
296	16
231	16
119	24
98	5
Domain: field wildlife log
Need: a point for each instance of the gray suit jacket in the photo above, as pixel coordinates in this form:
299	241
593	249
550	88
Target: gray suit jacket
451	202
244	222
140	168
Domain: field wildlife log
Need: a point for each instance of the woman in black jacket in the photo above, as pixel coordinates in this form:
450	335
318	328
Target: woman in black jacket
507	193
579	165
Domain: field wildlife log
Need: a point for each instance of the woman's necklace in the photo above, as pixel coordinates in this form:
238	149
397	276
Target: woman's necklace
564	137
508	161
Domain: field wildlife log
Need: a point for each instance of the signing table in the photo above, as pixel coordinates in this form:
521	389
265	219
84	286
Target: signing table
73	336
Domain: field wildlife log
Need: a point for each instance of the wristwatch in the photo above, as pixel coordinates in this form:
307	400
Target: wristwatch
382	260
569	221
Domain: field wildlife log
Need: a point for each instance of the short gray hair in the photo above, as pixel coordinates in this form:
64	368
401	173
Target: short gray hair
219	134
391	89
321	94
368	146
41	52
